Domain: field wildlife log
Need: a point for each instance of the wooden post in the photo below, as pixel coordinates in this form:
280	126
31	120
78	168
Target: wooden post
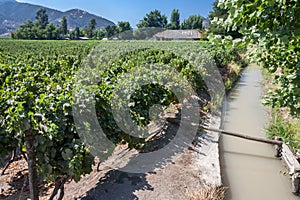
32	173
278	148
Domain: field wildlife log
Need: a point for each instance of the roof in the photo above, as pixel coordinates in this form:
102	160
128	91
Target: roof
178	35
82	38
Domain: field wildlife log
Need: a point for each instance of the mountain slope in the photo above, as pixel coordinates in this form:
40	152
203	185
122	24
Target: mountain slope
13	13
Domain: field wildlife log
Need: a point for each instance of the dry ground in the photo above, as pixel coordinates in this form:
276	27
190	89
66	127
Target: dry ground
184	176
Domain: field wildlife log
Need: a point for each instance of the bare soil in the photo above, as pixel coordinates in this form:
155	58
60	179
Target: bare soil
192	169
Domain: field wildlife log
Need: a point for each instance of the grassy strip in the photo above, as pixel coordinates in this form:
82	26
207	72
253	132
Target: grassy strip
287	129
282	124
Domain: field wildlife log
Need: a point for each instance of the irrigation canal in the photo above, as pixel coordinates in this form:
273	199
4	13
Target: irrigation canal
249	168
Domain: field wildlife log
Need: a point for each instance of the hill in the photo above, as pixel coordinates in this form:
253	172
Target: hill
13	13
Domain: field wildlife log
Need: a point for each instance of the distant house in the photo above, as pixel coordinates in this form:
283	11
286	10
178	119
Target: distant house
178	35
82	38
114	38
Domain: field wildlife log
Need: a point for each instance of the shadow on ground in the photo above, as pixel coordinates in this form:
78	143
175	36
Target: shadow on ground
117	185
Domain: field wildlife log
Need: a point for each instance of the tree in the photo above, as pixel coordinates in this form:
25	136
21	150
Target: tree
123	26
91	27
24	32
153	19
275	28
77	32
111	30
52	32
40	29
42	18
215	28
100	33
174	20
64	25
192	22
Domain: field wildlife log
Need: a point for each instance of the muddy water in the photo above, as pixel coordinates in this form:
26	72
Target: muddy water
249	168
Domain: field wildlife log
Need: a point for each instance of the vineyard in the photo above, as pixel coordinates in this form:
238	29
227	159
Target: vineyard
41	91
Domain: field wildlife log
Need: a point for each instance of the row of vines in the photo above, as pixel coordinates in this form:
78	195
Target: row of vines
37	82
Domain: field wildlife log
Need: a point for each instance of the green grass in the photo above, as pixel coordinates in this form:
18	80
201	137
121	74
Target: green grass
288	130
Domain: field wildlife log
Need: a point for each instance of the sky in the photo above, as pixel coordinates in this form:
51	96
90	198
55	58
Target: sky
130	10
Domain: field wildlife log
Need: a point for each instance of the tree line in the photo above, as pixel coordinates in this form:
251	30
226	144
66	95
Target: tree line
42	29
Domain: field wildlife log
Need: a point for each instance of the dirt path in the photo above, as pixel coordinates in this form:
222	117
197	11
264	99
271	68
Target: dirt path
186	172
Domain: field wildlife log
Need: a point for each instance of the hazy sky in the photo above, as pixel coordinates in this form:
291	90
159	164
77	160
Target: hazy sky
130	10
